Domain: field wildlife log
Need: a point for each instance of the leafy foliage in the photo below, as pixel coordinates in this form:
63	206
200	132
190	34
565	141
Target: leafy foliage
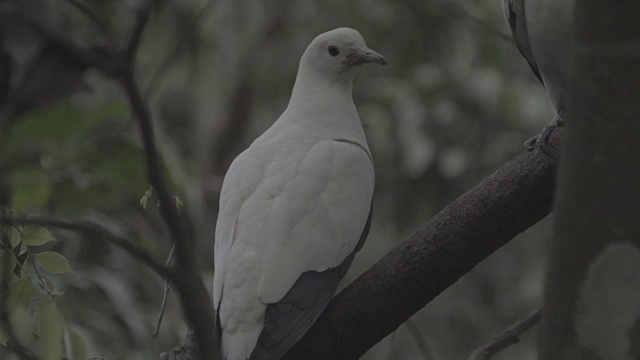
21	266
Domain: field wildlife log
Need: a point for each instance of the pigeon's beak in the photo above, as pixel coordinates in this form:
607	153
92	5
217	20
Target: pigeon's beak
365	55
370	56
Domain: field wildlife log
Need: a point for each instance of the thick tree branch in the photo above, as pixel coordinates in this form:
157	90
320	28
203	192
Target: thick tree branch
195	300
94	229
471	228
510	337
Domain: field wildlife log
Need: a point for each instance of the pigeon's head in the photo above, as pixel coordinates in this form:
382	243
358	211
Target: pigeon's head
338	52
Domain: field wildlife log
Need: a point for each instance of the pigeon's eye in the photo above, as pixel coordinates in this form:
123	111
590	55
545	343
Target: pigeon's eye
333	51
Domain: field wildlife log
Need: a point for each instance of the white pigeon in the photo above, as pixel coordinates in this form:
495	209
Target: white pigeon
295	207
543	32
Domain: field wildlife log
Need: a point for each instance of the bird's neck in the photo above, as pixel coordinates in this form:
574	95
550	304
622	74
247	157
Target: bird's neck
314	85
324	106
318	96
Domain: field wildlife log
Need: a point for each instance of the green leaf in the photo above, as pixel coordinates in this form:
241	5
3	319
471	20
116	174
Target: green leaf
34	235
50	330
53	262
13	234
23	248
8	262
78	345
20	293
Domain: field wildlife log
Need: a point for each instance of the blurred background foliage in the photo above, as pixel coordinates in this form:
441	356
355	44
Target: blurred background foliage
455	102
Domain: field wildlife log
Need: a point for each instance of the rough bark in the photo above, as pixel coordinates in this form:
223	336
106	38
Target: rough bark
471	228
592	300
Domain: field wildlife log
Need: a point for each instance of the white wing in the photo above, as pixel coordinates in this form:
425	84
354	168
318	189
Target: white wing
316	220
242	179
289	204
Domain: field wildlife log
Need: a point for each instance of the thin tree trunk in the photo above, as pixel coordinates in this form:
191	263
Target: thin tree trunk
592	301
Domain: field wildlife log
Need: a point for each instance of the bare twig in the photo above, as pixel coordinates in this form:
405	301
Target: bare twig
510	337
167	288
40	282
92	228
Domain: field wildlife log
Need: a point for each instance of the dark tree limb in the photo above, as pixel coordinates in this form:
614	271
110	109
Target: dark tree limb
168	208
471	228
195	300
508	338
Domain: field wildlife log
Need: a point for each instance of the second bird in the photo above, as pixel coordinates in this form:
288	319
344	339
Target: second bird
543	32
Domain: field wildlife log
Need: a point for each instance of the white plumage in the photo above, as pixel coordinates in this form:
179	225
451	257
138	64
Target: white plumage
295	202
543	32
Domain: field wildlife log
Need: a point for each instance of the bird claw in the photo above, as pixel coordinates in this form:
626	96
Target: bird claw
541	140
